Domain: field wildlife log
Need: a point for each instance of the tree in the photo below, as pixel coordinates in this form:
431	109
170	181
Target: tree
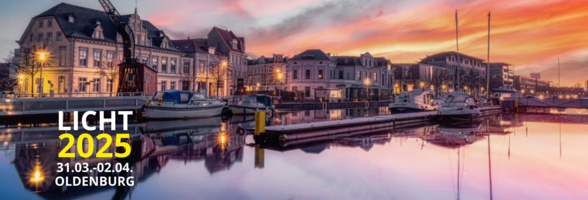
30	64
110	71
218	73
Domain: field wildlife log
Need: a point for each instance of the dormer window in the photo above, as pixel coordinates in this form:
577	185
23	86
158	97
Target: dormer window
71	18
98	33
211	50
234	43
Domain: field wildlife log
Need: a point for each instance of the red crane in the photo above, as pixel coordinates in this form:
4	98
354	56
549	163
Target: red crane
131	73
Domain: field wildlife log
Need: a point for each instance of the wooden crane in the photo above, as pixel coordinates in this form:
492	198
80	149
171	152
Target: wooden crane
133	76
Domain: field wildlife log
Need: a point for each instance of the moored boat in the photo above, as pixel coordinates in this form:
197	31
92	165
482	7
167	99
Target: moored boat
418	100
174	104
459	106
251	104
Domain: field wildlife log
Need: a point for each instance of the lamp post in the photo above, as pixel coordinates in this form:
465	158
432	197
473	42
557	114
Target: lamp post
42	58
367	83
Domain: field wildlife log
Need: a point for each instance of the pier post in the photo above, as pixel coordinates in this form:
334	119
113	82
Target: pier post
259	157
259	122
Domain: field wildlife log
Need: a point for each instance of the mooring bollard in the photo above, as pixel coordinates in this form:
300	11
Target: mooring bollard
259	122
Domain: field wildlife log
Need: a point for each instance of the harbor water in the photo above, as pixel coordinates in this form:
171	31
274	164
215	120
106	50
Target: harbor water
506	156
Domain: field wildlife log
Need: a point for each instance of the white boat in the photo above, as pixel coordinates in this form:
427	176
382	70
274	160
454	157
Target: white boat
415	101
173	104
252	103
459	106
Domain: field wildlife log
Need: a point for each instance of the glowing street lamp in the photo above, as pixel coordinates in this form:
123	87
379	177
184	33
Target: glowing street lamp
43	56
367	83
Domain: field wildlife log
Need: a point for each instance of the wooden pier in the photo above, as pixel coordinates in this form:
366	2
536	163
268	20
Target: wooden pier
349	127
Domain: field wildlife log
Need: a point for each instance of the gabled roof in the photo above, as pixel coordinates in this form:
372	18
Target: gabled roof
312	54
228	36
347	60
191	46
85	21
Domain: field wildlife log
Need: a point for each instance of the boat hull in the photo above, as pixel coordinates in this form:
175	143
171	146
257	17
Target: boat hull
472	117
241	110
157	112
395	110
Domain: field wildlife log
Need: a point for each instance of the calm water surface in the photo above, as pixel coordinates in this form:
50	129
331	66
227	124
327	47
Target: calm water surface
531	156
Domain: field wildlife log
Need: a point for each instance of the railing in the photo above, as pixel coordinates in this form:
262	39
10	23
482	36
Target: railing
75	95
27	106
569	103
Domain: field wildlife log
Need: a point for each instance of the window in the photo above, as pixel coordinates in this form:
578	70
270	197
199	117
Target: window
144	60
201	67
58	36
83	57
164	65
39	37
163	85
31	37
173	66
62	56
320	74
154	62
40	24
307	75
97	58
358	75
109	85
307	91
49	36
82	84
172	85
211	50
96	85
375	77
109	59
295	74
71	19
340	74
49	23
186	67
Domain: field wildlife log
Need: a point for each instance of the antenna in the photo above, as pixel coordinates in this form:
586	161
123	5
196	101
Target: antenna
457	45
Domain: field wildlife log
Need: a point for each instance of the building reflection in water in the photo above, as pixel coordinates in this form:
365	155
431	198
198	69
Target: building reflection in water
211	140
217	143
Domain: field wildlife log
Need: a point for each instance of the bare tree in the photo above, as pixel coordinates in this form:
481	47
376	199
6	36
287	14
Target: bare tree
29	65
110	71
218	73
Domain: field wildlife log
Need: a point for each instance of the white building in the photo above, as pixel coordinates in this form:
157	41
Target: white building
82	41
314	71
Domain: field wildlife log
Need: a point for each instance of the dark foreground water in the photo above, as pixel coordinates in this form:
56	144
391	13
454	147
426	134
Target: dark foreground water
505	157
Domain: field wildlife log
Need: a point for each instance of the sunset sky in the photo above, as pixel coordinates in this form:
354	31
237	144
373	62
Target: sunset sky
529	34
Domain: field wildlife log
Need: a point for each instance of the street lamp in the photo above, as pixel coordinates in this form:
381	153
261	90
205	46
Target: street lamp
43	55
367	83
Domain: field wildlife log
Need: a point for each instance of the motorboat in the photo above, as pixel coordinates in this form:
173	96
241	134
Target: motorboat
418	100
459	106
252	103
174	104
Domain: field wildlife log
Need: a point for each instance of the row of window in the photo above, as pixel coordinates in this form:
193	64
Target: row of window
97	58
173	63
320	75
93	85
49	37
172	85
41	23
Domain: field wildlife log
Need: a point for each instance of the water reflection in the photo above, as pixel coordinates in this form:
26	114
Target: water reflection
208	159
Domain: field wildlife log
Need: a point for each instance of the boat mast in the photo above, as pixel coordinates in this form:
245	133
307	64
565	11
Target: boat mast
488	63
490	157
457	46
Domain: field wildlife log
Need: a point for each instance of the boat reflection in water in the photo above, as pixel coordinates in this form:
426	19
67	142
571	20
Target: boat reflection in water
186	158
454	135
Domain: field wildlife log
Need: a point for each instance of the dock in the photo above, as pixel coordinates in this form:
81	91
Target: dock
350	127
